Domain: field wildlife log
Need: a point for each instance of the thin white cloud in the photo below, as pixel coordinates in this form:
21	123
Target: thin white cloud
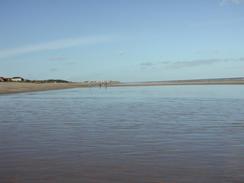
223	2
54	45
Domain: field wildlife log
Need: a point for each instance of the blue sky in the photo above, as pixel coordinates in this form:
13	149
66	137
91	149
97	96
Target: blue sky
126	40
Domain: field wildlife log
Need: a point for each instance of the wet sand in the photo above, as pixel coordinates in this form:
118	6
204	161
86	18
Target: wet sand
14	87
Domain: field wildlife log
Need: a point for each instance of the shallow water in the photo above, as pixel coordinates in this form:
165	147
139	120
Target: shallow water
174	134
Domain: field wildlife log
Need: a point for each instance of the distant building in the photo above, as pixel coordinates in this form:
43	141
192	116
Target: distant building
2	79
8	79
17	79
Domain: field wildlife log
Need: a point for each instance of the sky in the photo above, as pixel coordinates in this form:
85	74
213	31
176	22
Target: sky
124	40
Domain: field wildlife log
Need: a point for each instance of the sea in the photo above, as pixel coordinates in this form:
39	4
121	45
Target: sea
157	134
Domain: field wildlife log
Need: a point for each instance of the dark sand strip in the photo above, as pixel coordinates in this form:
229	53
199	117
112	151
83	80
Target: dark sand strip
185	82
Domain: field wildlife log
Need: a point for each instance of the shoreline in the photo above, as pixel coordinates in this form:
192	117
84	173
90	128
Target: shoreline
23	87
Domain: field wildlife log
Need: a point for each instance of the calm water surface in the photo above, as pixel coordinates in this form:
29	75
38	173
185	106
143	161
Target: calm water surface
177	134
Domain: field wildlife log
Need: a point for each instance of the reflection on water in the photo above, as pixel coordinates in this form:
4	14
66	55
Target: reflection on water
147	134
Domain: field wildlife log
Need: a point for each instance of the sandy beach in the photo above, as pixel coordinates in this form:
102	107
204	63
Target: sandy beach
19	87
15	87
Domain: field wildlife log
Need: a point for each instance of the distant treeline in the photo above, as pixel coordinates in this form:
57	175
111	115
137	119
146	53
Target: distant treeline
47	81
20	79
